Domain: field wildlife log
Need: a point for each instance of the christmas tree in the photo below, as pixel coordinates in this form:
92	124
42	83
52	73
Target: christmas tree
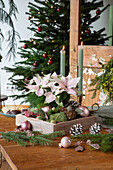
49	21
88	36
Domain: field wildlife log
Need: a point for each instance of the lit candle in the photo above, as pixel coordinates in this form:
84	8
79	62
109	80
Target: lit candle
62	61
80	70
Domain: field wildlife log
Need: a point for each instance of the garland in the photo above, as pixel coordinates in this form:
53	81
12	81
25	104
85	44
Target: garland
34	137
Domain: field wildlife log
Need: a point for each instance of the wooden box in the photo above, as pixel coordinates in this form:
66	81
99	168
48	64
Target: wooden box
46	127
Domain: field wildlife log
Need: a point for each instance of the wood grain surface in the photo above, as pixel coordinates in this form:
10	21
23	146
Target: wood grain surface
52	157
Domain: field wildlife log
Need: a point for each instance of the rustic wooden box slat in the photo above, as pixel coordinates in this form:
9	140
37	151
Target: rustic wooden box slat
46	127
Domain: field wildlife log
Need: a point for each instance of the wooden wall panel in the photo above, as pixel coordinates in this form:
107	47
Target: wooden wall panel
74	35
91	57
94	54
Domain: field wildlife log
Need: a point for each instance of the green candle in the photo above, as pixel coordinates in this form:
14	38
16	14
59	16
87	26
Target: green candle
110	26
80	70
62	61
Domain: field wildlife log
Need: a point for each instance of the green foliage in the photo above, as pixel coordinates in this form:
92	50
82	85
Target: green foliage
64	98
35	101
58	117
106	120
51	111
104	140
22	139
104	82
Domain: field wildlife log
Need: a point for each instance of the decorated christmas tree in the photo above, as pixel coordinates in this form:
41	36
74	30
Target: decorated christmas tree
49	24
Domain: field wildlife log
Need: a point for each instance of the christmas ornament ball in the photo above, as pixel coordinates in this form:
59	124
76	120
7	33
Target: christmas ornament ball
39	29
46	108
98	12
35	64
50	61
35	43
29	18
45	55
58	9
66	142
88	31
26	125
25	46
26	79
85	111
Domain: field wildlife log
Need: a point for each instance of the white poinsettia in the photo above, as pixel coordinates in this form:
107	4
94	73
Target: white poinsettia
67	84
51	86
36	88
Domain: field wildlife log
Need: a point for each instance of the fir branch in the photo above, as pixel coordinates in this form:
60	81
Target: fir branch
39	140
22	139
9	136
54	134
104	140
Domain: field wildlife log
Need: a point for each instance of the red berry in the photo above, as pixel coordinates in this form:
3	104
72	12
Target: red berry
39	29
45	55
98	12
50	61
25	46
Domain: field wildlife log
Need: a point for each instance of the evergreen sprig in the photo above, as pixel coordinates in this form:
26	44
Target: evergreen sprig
104	82
22	139
107	120
104	140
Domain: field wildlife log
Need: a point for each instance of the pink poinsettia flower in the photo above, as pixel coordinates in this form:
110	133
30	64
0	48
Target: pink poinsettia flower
46	80
50	97
36	88
68	84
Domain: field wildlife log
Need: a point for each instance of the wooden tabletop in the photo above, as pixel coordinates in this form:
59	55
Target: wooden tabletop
51	157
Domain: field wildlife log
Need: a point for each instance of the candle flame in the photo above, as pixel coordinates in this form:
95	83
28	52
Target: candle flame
81	43
63	47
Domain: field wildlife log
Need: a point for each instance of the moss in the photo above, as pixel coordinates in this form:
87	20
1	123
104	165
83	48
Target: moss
58	117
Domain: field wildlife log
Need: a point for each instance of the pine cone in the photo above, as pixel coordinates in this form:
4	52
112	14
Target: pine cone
76	130
69	112
71	115
73	104
95	129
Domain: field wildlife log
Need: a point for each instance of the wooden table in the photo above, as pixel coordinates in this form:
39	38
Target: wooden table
51	157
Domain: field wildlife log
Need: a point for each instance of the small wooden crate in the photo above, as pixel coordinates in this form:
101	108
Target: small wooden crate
46	127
